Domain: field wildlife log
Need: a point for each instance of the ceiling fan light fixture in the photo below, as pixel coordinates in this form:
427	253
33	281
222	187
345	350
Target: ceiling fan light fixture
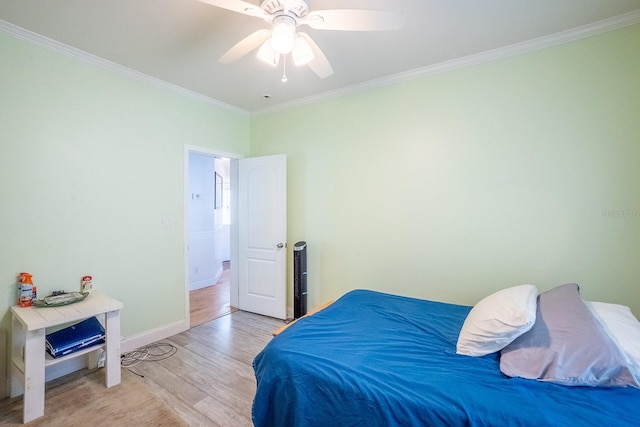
267	54
302	53
283	34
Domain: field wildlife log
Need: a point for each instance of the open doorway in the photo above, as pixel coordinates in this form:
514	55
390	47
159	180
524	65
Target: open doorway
257	192
209	237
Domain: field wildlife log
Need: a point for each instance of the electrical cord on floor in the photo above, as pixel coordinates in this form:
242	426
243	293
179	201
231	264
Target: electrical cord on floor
149	353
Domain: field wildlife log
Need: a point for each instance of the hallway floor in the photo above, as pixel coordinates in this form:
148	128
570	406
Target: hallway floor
211	302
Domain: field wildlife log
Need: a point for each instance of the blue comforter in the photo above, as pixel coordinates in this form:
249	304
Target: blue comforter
374	359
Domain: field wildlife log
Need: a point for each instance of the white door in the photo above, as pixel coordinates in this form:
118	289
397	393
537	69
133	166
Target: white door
262	235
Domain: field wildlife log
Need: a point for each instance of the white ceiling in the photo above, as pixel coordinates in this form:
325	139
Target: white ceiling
179	41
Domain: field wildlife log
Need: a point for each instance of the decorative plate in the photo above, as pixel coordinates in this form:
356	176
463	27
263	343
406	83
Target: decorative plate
53	301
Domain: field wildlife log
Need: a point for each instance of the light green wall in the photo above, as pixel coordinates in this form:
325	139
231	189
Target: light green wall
446	187
455	185
90	163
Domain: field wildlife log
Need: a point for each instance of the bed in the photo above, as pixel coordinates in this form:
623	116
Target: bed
378	359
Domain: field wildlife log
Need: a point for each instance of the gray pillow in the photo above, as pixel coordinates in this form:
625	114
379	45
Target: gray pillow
566	345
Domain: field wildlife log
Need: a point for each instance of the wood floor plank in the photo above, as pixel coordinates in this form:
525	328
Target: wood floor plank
217	361
211	302
222	414
229	337
159	377
170	392
210	379
211	374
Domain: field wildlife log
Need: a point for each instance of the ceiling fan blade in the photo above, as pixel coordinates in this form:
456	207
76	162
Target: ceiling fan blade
355	20
238	6
244	46
319	64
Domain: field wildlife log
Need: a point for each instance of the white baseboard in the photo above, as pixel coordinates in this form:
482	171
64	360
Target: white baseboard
194	286
152	336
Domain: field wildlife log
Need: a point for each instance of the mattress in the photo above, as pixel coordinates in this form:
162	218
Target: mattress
377	359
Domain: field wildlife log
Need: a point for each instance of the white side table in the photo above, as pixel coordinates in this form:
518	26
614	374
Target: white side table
29	358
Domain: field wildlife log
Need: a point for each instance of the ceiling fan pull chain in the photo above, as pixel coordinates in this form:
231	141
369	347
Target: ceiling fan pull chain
284	69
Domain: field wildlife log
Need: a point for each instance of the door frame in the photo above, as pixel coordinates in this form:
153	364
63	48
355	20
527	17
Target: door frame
233	235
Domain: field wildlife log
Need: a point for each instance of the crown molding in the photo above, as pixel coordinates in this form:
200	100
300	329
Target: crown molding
86	57
567	36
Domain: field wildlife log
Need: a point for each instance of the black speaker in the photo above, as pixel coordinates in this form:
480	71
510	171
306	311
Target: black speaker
299	279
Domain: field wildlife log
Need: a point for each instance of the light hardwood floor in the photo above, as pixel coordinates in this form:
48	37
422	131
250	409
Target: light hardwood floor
210	380
211	302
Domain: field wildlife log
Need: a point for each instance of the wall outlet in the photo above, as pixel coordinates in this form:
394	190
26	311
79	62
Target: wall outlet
101	359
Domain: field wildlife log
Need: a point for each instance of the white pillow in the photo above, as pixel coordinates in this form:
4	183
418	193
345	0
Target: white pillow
624	329
497	320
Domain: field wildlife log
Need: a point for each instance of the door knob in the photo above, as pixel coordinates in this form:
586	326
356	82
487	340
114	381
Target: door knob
280	245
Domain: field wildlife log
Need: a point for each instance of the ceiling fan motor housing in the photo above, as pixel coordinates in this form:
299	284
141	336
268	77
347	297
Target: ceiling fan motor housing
297	8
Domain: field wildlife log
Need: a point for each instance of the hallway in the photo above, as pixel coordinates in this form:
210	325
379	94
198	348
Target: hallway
211	302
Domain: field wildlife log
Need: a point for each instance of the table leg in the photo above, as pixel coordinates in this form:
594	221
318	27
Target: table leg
17	353
34	371
112	352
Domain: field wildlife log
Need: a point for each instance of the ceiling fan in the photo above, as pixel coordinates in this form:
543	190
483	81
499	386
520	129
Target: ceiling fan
285	16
